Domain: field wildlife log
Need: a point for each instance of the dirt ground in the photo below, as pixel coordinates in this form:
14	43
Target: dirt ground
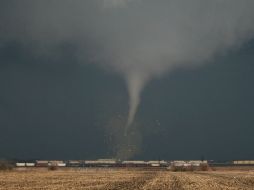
107	179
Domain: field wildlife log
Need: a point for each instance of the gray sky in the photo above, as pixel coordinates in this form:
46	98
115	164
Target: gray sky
64	67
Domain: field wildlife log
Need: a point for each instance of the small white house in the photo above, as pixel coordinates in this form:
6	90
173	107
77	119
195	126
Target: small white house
61	164
19	164
30	164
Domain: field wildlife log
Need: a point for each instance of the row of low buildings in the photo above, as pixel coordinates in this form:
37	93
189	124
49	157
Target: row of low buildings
126	163
194	163
243	162
95	163
41	163
92	163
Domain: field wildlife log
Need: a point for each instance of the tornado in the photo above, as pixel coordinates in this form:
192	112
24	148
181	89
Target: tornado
135	85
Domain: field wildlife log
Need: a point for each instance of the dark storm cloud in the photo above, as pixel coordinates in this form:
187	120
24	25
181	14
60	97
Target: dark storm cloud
138	39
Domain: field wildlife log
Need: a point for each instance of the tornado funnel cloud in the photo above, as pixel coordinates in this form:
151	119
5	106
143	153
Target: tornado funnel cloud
134	100
135	84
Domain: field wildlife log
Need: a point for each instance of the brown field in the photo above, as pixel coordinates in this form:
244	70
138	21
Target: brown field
124	179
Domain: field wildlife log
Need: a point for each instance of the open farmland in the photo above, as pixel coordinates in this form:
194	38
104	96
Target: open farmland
106	179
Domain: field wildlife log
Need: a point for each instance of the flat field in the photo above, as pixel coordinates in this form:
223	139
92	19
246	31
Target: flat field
106	179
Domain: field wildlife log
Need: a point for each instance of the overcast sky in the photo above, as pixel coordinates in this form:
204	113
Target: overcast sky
63	92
